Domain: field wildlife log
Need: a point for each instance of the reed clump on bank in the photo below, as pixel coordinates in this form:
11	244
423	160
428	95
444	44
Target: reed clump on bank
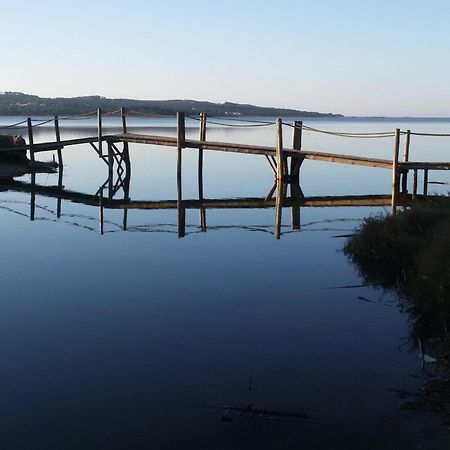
409	253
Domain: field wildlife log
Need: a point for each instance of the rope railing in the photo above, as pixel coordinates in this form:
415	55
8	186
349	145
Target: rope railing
224	122
382	134
249	125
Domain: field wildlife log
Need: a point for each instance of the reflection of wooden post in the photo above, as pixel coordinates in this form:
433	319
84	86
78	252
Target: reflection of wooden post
100	212
395	176
181	139
278	208
296	194
30	138
202	138
60	166
126	195
33	196
296	162
110	171
425	182
406	159
281	166
99	126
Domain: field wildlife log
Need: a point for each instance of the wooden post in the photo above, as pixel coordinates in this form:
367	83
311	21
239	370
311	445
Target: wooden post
60	166
126	149
202	138
181	139
30	138
406	159
281	168
99	125
414	183
58	139
296	145
124	120
425	182
395	176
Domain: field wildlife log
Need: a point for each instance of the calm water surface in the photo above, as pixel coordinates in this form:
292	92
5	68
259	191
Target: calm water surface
135	339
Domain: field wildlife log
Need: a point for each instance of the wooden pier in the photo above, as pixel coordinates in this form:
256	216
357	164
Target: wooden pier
118	163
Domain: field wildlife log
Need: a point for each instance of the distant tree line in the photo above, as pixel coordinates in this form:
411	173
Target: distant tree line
18	103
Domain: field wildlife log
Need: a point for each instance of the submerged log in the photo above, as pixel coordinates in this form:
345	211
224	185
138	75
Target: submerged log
15	163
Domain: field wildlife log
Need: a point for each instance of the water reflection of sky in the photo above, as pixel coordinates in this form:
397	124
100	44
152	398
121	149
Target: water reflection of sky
127	340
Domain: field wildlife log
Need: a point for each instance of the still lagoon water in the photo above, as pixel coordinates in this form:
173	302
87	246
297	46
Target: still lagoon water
136	339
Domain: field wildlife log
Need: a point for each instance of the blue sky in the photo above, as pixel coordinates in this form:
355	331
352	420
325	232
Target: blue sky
352	57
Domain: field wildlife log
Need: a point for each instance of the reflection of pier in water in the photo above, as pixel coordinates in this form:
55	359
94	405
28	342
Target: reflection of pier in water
276	199
118	162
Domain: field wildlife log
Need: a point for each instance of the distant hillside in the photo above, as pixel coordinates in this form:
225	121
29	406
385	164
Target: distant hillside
17	103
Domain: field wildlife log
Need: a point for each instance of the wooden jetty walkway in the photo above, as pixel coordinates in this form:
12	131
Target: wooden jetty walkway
278	157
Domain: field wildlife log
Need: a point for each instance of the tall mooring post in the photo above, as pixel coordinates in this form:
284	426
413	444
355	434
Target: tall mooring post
181	143
99	131
202	138
406	159
30	138
395	173
296	162
279	154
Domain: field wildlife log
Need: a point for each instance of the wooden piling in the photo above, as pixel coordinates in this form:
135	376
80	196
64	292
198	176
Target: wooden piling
181	141
414	183
124	120
395	174
60	165
425	182
58	139
280	159
202	138
100	134
126	150
296	145
30	138
406	159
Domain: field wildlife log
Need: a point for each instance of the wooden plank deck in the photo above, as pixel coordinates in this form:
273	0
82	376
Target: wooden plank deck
169	141
253	149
